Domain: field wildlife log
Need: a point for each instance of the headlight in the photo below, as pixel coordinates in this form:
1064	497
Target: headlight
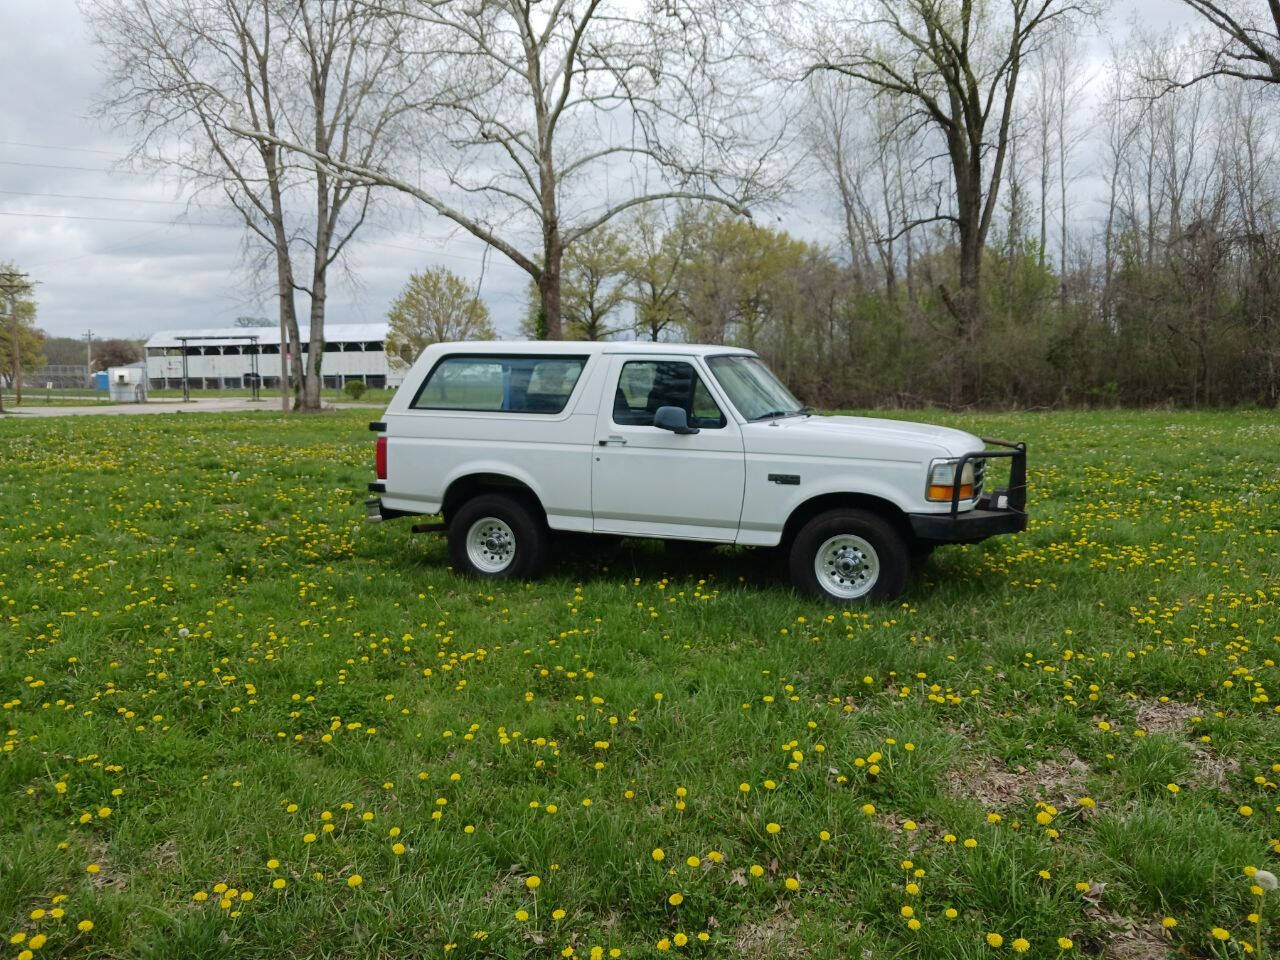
942	478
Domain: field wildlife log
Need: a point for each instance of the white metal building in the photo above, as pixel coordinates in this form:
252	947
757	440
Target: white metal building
228	357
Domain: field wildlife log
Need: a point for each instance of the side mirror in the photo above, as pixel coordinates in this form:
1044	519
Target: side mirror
673	419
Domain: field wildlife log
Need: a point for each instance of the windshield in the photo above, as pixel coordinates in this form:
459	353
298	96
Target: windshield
753	388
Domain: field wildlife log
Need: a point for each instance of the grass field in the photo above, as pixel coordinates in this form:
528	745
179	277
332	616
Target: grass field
240	723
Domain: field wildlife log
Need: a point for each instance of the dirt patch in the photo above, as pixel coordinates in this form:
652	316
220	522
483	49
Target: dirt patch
1213	770
993	784
1167	716
774	937
1130	939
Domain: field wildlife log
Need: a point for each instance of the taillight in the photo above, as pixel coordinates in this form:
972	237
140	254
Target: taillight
380	458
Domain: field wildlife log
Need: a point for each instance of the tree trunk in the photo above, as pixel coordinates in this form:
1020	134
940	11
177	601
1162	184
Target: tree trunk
549	285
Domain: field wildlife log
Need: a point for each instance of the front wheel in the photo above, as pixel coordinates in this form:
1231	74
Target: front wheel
497	537
850	556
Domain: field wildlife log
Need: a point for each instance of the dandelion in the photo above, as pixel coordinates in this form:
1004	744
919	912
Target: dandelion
1020	945
676	899
1065	943
772	827
533	882
1266	880
995	940
84	926
658	854
1219	934
792	884
279	883
355	880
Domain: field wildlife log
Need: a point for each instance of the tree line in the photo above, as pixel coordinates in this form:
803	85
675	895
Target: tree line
1007	236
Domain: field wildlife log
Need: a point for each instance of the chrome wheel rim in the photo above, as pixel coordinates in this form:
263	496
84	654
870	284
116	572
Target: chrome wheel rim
491	545
847	566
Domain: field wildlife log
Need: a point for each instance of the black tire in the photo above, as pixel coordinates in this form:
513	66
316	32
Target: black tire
890	556
518	530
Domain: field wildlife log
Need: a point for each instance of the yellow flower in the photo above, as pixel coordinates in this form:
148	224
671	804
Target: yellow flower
913	924
557	913
355	880
278	883
680	939
772	827
658	854
272	864
1219	934
92	868
951	913
308	838
1020	945
1065	943
84	926
792	884
664	944
200	896
907	911
994	940
522	915
38	941
676	899
397	849
533	882
694	862
868	808
1169	923
757	870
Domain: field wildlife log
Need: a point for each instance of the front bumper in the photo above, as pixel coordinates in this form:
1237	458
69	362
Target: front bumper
1001	511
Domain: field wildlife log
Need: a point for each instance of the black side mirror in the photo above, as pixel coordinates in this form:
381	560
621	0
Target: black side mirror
673	419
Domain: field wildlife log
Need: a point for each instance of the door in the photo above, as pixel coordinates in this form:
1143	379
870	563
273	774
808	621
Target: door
647	481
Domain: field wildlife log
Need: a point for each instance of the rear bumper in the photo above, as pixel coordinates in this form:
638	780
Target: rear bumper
375	512
1001	511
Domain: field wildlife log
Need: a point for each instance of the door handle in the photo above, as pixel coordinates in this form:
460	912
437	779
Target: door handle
613	439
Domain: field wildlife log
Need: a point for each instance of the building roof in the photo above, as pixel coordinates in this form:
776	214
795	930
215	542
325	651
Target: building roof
217	336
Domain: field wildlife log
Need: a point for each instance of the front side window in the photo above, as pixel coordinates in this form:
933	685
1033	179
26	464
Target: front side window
753	389
646	385
507	384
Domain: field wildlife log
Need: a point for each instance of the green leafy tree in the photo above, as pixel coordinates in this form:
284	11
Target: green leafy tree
20	341
595	286
436	305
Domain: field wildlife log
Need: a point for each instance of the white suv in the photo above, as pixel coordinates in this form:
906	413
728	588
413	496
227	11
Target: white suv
683	442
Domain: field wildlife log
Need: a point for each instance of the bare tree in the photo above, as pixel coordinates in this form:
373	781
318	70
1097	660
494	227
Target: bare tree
959	66
551	120
184	74
1250	39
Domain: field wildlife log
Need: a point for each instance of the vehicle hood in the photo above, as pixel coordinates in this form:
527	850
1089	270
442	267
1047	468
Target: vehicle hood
860	437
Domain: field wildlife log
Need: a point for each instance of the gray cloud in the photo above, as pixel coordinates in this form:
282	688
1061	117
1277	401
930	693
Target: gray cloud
121	277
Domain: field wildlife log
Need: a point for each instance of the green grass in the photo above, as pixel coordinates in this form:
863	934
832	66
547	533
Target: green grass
200	634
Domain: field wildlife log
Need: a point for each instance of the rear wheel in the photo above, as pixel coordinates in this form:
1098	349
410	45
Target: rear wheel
497	537
849	556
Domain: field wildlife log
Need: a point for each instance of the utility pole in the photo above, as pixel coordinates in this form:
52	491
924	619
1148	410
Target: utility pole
88	358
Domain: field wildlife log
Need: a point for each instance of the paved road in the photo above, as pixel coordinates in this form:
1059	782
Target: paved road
218	405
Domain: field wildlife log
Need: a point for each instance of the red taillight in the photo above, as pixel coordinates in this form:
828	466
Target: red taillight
380	458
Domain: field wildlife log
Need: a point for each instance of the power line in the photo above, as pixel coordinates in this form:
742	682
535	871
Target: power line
70	216
64	166
49	146
84	196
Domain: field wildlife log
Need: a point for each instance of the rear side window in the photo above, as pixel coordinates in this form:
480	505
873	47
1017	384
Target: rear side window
506	384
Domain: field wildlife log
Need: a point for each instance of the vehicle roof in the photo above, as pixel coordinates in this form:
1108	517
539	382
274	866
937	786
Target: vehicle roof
587	347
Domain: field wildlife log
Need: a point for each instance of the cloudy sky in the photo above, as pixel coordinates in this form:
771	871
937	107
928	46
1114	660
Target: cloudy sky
122	254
